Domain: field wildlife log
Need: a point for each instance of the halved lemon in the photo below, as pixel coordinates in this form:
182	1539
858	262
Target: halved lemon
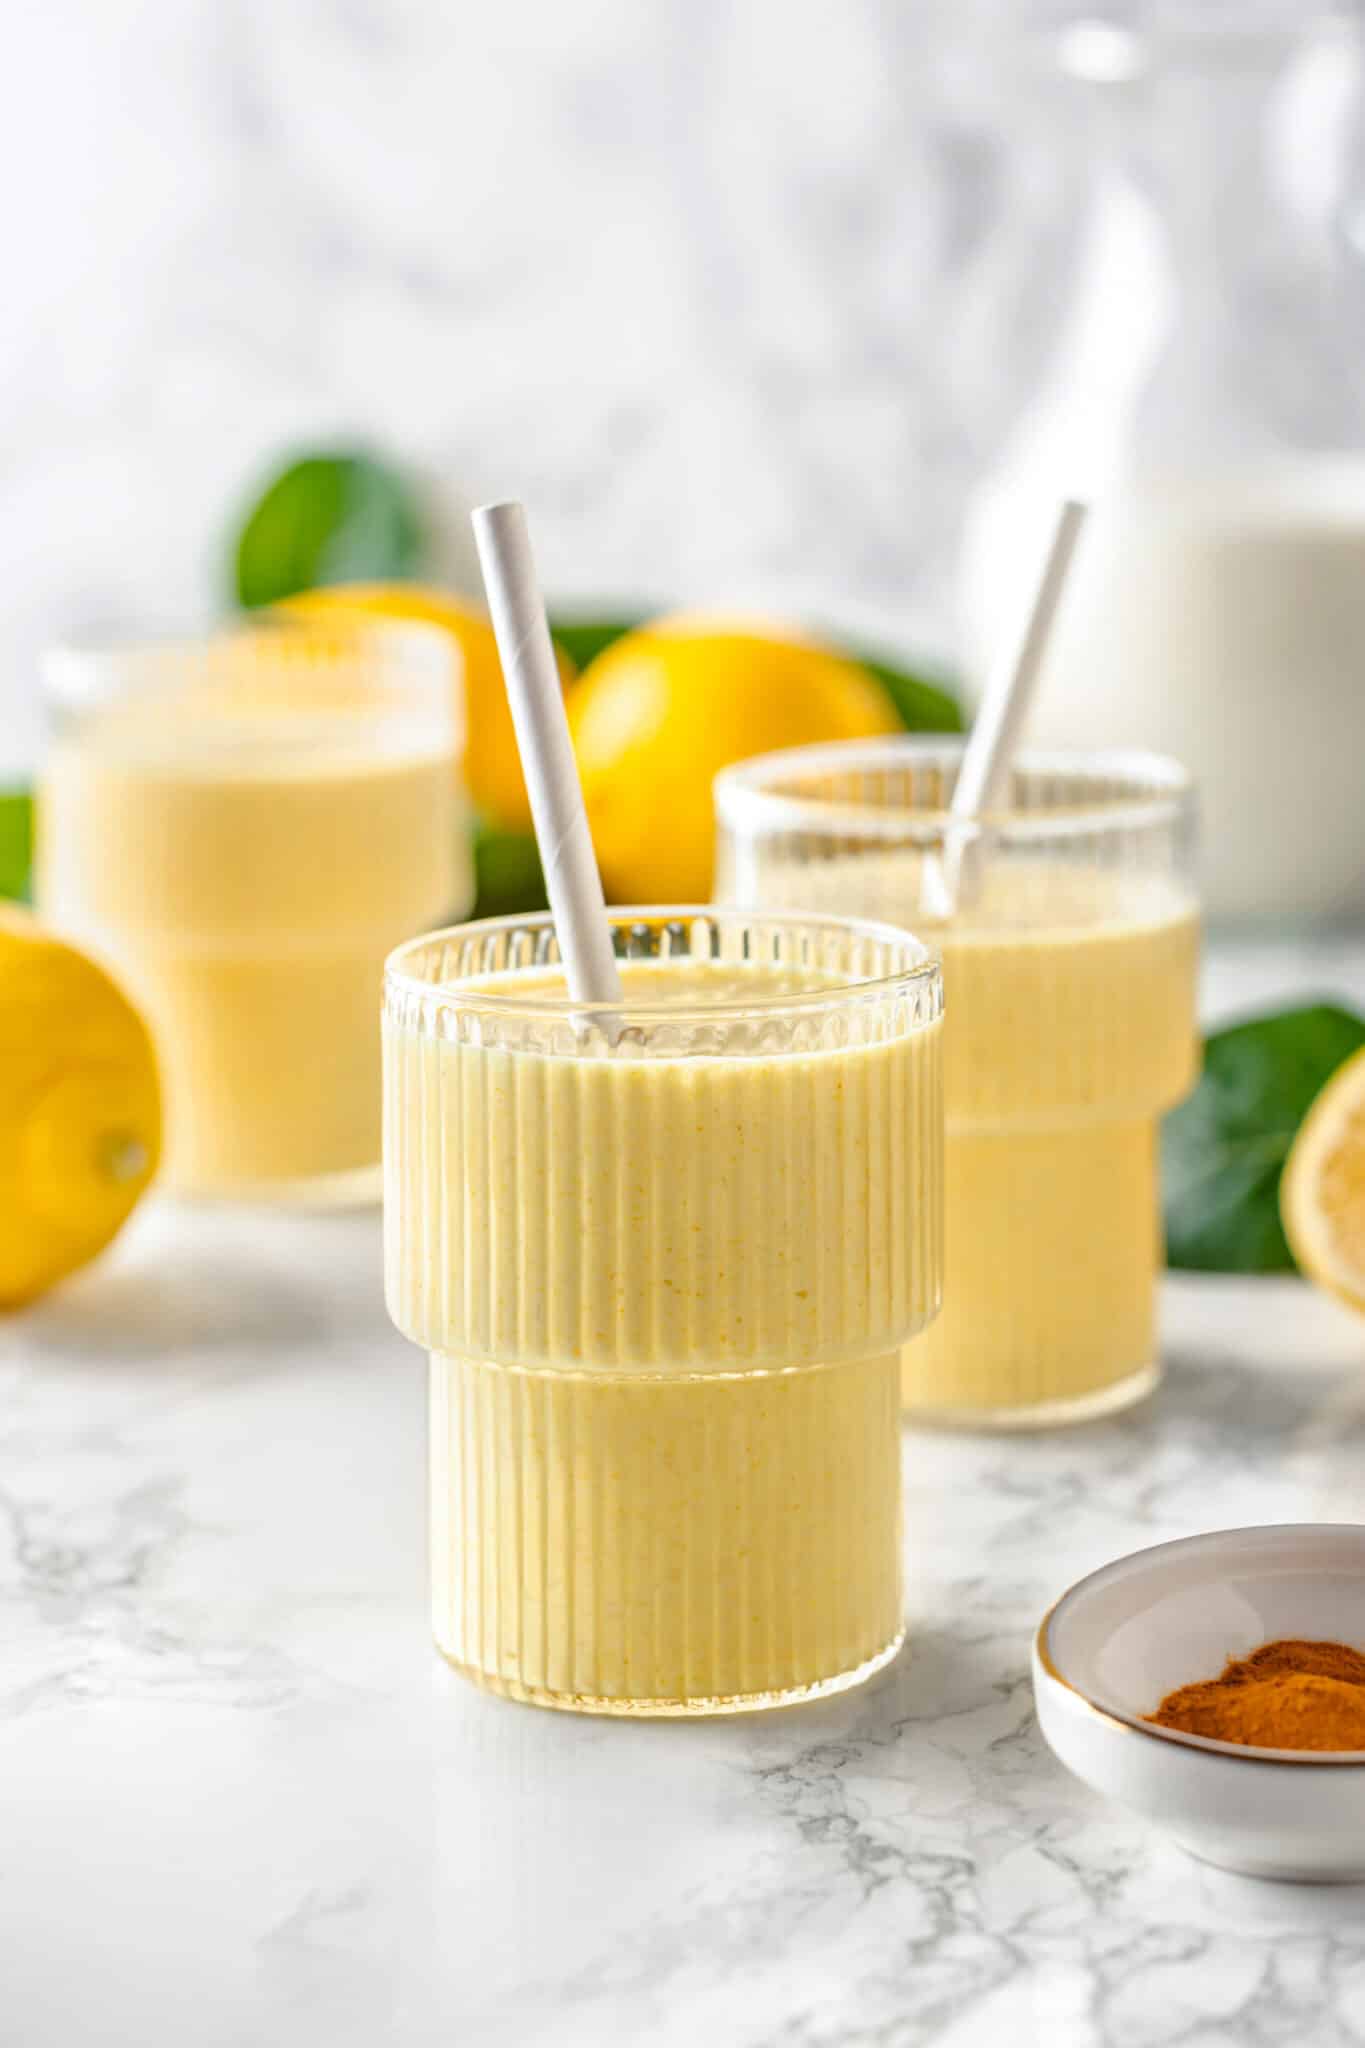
80	1108
1322	1192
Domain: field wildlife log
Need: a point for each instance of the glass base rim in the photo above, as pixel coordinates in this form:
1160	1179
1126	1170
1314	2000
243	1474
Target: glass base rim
706	1706
1071	1412
354	1187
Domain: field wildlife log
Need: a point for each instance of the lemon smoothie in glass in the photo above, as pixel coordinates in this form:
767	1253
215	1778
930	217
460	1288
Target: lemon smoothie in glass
245	827
663	1260
1069	968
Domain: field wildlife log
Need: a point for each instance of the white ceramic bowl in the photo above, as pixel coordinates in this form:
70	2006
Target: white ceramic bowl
1120	1640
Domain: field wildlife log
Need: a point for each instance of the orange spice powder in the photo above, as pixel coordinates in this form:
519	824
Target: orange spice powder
1286	1695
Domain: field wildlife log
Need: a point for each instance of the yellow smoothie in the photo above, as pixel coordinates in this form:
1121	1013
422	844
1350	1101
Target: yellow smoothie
1070	1028
1071	1001
247	850
663	1284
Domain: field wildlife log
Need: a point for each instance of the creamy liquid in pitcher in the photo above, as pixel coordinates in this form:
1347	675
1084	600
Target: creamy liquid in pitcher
1220	620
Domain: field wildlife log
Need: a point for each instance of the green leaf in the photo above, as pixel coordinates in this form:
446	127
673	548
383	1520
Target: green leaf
16	842
507	873
1223	1150
328	519
584	639
924	706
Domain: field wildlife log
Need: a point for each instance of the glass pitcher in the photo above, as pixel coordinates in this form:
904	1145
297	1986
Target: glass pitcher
1218	610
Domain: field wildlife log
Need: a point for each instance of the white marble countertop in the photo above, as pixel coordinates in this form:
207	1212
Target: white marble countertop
241	1802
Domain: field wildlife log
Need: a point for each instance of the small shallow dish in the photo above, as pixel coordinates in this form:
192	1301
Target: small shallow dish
1121	1639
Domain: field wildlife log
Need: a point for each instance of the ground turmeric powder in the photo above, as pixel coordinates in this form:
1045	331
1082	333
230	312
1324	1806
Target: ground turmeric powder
1286	1695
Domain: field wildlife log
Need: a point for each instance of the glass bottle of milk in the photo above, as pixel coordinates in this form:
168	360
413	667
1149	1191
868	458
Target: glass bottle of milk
1218	611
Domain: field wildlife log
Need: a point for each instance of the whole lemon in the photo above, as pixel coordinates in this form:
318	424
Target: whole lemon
663	709
492	766
80	1108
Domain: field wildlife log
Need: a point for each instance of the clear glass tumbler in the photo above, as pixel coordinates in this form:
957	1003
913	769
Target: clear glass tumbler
1069	973
662	1257
245	826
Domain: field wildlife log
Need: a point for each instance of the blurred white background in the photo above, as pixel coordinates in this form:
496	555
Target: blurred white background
744	300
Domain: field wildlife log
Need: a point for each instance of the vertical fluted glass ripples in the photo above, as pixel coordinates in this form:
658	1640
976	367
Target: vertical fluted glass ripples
638	1543
1070	967
663	1262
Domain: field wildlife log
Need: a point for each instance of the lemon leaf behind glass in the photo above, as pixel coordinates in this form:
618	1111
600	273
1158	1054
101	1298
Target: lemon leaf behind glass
16	842
328	518
924	706
1223	1150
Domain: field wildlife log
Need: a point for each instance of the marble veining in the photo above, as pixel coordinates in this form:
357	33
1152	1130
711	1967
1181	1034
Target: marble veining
244	1803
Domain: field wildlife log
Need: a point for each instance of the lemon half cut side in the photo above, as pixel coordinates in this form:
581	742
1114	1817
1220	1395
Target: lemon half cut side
1322	1193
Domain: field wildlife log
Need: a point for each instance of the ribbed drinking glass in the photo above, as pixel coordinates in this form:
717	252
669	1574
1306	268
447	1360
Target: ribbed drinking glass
1069	974
663	1257
245	826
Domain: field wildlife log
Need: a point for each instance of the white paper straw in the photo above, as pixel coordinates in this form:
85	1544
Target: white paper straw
572	881
1005	706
